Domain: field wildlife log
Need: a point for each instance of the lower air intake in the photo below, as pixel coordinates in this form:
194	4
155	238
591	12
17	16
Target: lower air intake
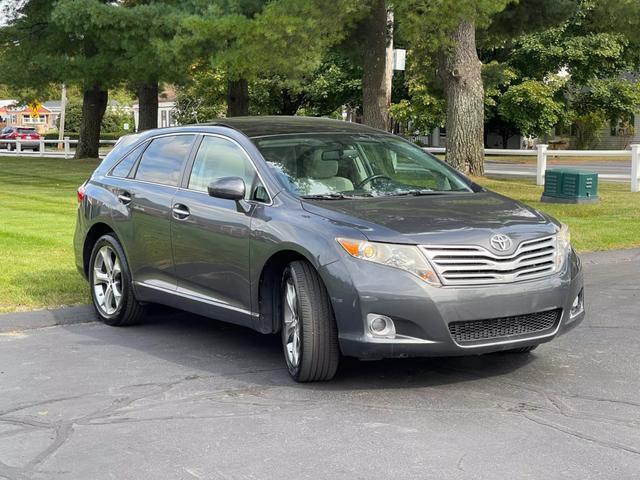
498	329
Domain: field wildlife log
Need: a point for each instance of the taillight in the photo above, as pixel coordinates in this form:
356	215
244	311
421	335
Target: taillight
81	193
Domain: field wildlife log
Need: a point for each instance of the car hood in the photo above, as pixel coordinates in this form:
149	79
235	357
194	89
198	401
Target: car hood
456	218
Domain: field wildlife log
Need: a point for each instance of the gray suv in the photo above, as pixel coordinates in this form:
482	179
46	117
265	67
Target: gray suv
344	239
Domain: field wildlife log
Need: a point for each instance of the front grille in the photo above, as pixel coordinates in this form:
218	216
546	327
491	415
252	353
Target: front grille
470	332
475	265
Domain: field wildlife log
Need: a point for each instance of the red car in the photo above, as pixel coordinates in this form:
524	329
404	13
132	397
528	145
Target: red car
29	138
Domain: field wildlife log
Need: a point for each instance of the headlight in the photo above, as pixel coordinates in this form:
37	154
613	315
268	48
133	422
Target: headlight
405	257
563	246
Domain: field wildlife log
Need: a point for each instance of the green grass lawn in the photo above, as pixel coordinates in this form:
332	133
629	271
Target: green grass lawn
37	218
38	208
612	223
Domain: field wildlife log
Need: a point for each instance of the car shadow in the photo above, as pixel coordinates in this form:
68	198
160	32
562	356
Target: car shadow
224	350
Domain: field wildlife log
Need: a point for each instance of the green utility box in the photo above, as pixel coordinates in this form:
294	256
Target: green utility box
570	186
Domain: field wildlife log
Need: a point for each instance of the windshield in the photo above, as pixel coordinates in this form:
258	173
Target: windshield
344	165
27	130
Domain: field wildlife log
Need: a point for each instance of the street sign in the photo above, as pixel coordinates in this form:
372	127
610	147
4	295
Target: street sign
35	109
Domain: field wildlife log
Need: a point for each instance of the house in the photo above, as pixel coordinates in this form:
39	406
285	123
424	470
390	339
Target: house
166	108
13	115
615	136
5	106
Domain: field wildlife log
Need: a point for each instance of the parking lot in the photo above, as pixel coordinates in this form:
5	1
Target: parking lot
187	398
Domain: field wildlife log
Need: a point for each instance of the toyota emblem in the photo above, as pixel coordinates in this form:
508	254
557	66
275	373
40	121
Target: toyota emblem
500	242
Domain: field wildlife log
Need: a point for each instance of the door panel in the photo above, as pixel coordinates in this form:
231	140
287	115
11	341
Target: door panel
211	249
211	243
150	246
148	199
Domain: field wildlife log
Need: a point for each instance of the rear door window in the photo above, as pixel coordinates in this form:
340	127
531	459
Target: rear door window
163	160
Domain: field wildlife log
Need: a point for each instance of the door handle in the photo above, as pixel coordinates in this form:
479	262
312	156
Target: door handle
180	211
124	198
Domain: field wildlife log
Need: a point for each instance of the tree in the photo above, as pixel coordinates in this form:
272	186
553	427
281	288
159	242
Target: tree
593	49
202	98
451	38
451	44
531	107
322	92
246	39
376	42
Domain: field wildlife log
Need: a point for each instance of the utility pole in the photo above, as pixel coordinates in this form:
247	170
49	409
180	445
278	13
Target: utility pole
63	111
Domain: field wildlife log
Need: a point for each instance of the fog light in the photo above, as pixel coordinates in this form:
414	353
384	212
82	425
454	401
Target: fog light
577	306
380	325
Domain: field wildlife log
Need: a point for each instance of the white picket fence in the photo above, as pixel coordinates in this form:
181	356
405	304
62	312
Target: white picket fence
542	153
24	147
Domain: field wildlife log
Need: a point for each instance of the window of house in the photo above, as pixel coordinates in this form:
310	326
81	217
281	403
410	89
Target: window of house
28	119
622	128
162	161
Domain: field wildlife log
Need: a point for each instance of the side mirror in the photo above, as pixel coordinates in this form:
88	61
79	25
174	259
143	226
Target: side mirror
230	188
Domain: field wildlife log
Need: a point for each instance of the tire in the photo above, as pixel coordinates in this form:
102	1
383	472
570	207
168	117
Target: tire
528	349
307	312
128	311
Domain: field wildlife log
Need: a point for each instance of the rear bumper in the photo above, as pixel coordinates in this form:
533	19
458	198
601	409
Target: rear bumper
422	313
28	144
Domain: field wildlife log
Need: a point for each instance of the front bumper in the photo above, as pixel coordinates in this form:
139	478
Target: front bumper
422	313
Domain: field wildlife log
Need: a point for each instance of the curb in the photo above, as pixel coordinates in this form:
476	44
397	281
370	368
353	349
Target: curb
10	322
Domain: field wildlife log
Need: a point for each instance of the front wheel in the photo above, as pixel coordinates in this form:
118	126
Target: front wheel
309	333
111	285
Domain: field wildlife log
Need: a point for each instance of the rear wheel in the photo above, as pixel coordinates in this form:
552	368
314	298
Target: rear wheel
309	333
111	286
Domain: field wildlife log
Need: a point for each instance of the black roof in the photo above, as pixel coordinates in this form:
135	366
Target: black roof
280	125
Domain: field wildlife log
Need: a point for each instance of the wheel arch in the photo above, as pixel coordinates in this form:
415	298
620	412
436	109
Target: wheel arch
269	284
96	231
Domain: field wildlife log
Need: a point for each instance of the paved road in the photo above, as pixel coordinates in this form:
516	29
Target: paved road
184	398
617	171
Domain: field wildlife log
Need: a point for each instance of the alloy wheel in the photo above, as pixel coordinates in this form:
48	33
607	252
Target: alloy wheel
107	280
291	333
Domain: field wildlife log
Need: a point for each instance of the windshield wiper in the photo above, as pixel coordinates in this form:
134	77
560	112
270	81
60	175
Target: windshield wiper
326	196
417	193
424	192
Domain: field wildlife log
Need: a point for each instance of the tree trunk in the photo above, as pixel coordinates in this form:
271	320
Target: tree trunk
147	106
94	104
237	98
377	64
460	69
290	104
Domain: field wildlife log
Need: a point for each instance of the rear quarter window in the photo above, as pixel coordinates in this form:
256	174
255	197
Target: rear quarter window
123	168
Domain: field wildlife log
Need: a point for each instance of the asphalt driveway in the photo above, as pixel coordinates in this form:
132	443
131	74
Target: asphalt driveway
185	398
